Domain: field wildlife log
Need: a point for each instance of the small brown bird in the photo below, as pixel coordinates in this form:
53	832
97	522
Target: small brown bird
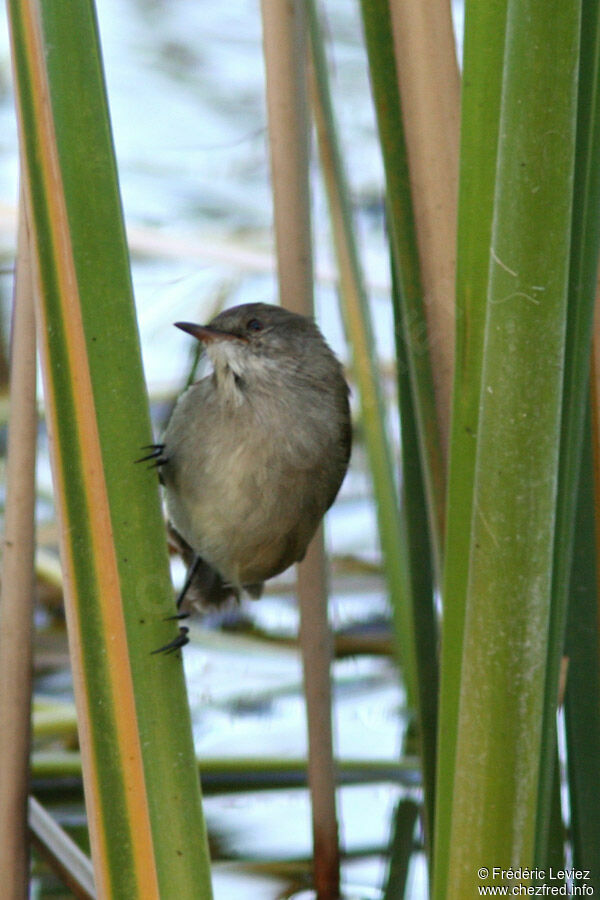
255	453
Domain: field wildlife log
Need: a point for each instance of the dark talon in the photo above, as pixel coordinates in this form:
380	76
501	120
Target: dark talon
182	638
159	462
180	641
156	453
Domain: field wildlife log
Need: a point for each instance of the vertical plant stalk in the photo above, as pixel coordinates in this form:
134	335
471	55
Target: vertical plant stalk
421	573
582	704
582	695
401	849
419	668
284	41
284	37
595	405
429	84
16	602
384	82
585	242
103	557
317	650
595	415
133	717
506	628
483	55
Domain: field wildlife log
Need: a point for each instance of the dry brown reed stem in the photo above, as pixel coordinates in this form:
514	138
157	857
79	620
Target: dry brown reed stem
317	645
16	606
429	83
284	37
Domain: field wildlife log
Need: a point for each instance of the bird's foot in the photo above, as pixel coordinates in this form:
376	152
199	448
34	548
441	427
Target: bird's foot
180	641
156	454
191	572
183	615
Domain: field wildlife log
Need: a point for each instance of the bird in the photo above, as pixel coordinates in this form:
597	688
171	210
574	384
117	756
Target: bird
254	453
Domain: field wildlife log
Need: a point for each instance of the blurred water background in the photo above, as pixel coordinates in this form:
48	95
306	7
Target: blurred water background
186	91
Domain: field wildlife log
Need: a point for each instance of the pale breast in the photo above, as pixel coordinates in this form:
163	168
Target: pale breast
247	483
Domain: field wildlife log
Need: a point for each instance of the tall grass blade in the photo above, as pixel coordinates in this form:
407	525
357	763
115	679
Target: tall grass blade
423	614
483	55
382	66
582	697
507	614
585	242
134	724
429	85
412	603
357	318
406	818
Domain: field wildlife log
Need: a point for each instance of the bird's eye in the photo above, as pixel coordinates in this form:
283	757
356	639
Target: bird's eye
254	325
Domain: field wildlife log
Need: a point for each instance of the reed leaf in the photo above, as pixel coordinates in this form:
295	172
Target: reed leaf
382	67
143	801
507	612
407	813
423	614
585	242
357	319
582	696
483	53
429	87
409	579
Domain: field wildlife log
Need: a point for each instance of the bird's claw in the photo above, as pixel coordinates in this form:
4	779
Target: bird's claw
180	641
156	454
182	638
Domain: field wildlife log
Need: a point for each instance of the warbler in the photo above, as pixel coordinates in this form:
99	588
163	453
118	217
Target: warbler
254	453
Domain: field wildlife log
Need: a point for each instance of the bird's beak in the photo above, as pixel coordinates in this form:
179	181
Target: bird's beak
206	334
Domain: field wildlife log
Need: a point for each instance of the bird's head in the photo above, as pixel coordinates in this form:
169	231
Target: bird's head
256	340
